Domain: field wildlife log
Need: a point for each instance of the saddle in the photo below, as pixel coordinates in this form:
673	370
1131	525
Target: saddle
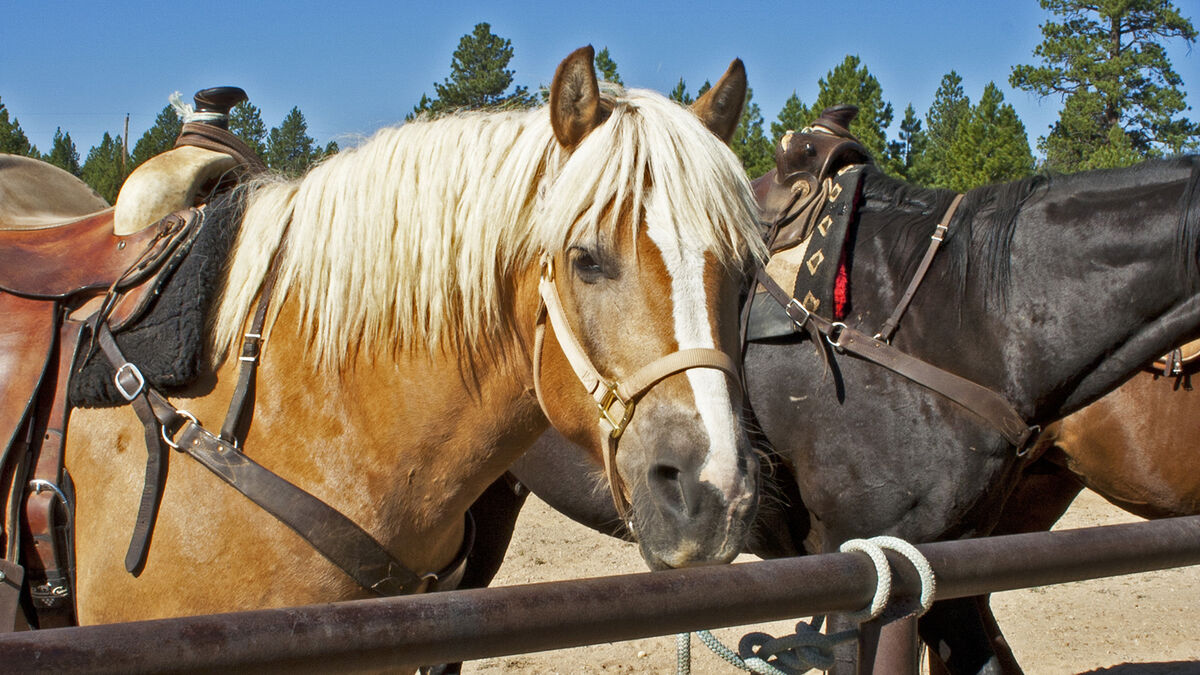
809	200
59	281
74	322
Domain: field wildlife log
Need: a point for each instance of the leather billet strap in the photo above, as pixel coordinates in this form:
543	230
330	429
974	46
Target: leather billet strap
157	416
987	404
615	399
935	240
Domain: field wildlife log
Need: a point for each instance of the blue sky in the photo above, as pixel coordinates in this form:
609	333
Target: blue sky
353	67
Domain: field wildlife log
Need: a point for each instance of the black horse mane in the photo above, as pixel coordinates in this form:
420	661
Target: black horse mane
981	232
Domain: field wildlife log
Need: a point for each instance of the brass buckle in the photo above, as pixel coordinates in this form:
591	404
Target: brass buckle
605	405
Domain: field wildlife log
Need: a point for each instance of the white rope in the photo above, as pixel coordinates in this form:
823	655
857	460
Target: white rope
874	547
187	113
924	570
883	578
808	648
683	653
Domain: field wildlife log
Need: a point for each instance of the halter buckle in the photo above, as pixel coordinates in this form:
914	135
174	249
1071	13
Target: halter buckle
606	411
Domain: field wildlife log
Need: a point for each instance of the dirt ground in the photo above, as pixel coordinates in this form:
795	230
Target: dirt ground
1133	625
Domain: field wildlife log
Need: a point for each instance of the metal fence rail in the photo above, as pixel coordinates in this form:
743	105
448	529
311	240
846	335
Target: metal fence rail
465	625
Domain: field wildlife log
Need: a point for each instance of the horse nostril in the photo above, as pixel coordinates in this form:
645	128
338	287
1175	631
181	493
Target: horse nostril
665	473
669	490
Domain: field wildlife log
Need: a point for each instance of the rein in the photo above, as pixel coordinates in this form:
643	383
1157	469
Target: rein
615	399
993	407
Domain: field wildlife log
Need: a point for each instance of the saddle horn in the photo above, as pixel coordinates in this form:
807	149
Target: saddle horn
219	100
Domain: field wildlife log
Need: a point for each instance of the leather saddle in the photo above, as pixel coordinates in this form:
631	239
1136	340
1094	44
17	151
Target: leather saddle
808	201
803	161
58	277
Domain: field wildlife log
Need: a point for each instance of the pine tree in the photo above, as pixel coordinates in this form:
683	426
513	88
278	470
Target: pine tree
102	169
905	151
1106	60
290	150
158	138
794	116
245	121
1117	151
680	93
607	67
479	76
749	142
63	153
950	107
12	139
851	83
990	145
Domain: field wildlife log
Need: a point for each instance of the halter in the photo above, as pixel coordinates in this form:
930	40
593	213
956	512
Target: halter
615	399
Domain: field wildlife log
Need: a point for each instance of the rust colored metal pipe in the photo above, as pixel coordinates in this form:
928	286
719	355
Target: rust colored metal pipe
465	625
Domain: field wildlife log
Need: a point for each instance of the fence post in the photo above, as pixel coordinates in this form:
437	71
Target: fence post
889	649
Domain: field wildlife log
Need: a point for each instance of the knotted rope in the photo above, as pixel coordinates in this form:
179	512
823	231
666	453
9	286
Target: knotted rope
808	648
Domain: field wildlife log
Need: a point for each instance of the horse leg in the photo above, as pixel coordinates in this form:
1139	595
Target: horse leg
958	644
495	513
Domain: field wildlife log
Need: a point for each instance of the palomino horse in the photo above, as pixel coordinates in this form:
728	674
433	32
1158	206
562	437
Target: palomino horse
404	365
1048	291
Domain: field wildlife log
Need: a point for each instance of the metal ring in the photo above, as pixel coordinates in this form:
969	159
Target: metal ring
39	484
834	336
163	430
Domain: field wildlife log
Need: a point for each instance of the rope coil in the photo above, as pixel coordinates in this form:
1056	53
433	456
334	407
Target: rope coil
808	648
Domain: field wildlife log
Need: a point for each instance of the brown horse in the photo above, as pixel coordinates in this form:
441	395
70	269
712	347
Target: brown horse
404	352
1136	447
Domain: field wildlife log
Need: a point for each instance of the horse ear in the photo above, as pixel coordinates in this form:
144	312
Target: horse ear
720	108
575	98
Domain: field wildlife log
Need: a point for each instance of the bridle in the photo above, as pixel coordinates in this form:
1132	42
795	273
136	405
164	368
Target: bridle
615	399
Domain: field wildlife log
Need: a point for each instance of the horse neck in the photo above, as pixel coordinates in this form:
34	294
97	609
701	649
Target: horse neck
1083	290
421	433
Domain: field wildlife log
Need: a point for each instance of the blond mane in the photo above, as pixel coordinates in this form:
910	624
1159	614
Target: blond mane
407	240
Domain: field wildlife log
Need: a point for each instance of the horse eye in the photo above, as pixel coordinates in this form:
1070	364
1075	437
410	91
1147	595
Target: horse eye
586	265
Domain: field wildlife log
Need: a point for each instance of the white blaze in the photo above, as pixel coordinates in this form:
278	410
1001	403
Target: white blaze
692	329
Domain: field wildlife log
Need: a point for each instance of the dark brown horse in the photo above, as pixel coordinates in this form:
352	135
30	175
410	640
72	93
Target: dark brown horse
1050	291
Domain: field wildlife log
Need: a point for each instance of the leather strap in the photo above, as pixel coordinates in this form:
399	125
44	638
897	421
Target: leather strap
217	139
155	416
987	404
935	241
48	561
332	534
615	399
243	393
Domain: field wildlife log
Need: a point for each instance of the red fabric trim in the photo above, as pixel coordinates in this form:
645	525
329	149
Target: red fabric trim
841	290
